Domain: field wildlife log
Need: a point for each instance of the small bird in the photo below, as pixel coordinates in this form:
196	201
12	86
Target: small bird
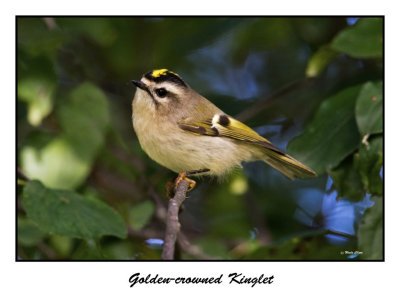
186	133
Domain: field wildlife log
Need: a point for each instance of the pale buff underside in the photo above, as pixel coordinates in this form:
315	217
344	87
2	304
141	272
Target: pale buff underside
178	150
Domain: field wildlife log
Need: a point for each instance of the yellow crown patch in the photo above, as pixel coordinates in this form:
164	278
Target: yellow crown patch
164	71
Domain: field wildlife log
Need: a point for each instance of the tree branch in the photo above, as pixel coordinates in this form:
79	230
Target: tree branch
172	223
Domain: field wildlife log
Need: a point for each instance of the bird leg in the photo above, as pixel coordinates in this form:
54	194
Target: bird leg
172	184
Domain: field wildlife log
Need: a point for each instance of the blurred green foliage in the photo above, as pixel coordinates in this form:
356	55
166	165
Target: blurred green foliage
64	212
140	214
87	191
332	135
369	111
363	40
67	158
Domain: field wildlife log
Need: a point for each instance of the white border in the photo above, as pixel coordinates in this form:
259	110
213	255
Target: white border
316	284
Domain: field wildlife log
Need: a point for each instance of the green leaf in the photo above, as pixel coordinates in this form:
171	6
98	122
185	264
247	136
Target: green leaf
28	232
38	94
347	180
370	236
369	162
332	134
363	40
140	214
319	60
369	109
66	213
84	117
66	160
57	164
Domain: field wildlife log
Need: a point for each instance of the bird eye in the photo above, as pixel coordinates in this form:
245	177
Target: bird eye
161	92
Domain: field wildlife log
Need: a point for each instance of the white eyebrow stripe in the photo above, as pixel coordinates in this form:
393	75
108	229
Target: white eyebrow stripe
170	87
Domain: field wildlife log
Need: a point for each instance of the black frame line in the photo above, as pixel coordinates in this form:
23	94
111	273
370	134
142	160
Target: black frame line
197	16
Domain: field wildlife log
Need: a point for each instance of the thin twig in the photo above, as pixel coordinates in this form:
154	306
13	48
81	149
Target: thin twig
182	242
47	251
172	223
264	104
192	250
50	23
342	234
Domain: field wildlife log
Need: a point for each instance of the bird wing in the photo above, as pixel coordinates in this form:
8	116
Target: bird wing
222	125
225	126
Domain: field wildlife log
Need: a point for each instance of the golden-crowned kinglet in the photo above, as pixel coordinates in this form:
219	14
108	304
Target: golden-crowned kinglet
183	131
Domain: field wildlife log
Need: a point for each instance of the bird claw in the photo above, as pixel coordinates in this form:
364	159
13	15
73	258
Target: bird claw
172	185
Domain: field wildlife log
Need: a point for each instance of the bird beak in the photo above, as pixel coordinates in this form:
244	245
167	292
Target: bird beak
140	85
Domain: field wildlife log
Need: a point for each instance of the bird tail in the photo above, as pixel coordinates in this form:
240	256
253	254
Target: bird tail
287	165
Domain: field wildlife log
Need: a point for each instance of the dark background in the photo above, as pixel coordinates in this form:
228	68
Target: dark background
311	85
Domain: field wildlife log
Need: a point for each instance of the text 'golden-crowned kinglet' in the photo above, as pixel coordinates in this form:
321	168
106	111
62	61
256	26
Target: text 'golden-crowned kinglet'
183	131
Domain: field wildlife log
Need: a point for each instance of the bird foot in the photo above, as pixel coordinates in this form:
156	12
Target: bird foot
173	184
